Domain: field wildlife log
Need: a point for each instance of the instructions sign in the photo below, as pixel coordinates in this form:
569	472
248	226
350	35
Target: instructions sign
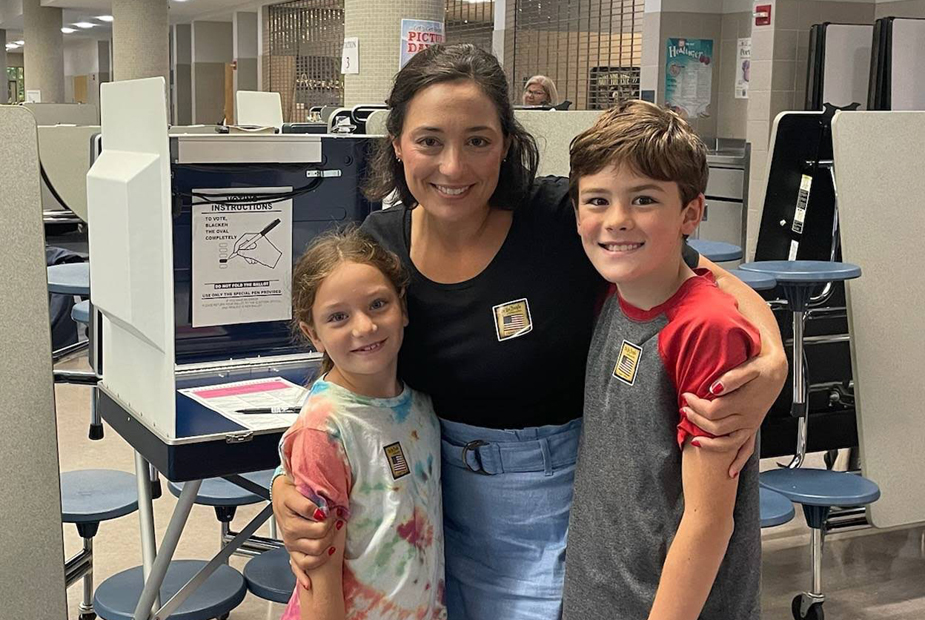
689	76
417	35
242	256
350	56
743	67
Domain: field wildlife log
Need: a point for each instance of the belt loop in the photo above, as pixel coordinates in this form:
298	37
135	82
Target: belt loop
547	459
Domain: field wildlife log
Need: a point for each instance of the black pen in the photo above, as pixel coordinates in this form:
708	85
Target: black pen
271	410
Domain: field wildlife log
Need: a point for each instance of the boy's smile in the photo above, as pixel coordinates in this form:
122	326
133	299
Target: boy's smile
632	228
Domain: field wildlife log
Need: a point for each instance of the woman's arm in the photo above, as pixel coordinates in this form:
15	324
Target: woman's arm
746	393
700	543
325	599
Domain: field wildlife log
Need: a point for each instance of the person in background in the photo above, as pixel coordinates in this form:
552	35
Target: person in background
540	90
502	303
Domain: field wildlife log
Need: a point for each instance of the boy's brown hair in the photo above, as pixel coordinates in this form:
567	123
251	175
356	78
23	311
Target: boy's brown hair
327	252
652	141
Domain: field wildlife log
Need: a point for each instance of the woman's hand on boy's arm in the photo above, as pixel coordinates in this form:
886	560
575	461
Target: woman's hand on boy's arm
307	539
746	393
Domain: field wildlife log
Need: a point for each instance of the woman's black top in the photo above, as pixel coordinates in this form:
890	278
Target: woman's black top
507	348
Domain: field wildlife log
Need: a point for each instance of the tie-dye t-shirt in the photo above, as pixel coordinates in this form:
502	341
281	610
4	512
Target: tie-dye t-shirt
378	460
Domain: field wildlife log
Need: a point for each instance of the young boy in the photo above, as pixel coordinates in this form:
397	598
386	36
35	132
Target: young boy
657	530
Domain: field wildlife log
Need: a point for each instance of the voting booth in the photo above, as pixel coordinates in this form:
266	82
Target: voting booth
896	52
192	243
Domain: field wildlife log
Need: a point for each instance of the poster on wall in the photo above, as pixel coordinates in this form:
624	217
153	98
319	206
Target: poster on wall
416	35
743	67
689	77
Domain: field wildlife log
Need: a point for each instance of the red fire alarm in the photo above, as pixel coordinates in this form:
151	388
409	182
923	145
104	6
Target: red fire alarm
763	15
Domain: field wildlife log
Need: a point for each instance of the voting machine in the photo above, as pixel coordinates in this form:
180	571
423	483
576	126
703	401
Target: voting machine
192	241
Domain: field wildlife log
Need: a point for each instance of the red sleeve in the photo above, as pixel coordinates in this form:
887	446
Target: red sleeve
318	464
699	344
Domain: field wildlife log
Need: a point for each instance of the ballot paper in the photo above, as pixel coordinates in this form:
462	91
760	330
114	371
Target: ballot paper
228	398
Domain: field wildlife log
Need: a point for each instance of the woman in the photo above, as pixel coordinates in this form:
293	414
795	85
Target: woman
501	306
540	90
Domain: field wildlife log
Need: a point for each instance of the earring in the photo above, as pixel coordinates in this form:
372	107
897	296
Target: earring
398	159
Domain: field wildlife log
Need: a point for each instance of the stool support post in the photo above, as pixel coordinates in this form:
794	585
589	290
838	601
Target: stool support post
817	534
168	547
86	605
799	391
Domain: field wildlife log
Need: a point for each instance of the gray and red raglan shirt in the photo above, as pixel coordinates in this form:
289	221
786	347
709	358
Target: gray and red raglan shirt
629	499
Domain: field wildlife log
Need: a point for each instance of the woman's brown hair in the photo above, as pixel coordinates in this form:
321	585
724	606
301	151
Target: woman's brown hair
448	63
325	253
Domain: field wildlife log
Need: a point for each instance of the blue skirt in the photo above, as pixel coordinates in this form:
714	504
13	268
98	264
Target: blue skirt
506	500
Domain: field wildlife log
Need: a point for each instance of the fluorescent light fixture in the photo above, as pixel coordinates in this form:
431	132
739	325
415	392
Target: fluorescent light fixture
84	25
18	43
67	30
104	18
11	46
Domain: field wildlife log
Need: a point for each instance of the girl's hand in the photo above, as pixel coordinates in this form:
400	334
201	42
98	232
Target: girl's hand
306	533
744	396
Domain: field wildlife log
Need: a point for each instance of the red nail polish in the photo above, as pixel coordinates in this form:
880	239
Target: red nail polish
331	551
319	515
717	388
339	524
695	443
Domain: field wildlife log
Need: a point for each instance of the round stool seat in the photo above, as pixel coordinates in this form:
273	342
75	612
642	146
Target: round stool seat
268	576
821	487
804	272
717	251
775	508
69	278
220	492
116	598
757	281
94	495
81	312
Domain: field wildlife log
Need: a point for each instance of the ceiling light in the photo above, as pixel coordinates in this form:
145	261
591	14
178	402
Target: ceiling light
67	30
104	18
18	43
84	25
11	46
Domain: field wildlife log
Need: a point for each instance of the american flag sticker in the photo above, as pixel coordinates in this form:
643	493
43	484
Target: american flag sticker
627	363
396	459
512	319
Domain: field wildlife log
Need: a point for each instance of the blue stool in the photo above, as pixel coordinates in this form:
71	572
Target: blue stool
117	597
815	490
757	281
716	251
225	497
87	498
775	508
268	576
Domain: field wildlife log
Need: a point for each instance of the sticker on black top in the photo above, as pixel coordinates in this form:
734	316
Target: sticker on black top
397	462
627	364
512	319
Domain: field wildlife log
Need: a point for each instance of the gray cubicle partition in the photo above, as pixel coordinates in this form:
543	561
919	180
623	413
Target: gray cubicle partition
881	229
839	65
31	543
64	113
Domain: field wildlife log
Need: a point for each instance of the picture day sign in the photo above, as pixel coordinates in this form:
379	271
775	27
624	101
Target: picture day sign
417	35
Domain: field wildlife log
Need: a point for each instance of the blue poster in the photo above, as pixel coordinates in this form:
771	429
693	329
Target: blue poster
689	77
416	35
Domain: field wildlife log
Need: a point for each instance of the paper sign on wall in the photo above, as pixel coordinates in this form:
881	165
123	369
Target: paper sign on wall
743	67
242	256
417	35
350	57
689	76
33	96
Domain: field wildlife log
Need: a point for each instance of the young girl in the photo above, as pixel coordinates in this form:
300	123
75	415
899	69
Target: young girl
365	447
